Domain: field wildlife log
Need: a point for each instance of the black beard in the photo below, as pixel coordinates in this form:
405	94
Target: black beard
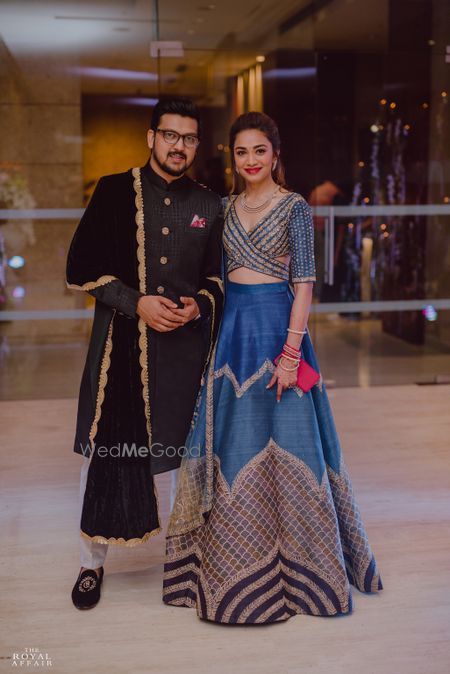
170	171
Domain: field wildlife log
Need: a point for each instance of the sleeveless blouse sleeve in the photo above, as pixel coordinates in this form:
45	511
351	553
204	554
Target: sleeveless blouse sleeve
301	242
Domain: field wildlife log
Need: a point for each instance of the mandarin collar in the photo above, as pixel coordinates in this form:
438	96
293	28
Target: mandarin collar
155	179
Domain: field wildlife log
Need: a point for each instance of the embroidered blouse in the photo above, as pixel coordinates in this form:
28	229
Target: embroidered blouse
287	229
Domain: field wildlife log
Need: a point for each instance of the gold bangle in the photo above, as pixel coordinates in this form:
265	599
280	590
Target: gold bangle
297	332
294	360
288	369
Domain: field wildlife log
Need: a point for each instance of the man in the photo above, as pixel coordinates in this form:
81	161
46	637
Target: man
149	249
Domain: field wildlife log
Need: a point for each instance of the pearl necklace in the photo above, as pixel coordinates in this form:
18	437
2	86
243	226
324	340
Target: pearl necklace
256	209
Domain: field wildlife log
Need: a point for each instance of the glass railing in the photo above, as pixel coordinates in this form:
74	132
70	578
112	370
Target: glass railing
378	327
375	224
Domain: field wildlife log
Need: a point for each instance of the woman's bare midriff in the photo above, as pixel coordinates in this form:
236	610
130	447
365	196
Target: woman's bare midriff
244	275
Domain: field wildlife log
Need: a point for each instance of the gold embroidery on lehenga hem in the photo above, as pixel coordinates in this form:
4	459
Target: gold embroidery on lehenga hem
251	606
293	514
275	500
350	519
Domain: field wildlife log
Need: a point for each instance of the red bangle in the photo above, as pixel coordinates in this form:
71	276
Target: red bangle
292	352
288	347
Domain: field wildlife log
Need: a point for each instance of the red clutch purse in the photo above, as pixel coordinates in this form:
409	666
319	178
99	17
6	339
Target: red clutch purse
306	375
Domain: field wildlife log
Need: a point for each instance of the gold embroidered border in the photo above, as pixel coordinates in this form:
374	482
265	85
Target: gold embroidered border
142	273
267	366
102	381
230	491
129	543
217	280
305	279
90	285
209	431
142	326
213	306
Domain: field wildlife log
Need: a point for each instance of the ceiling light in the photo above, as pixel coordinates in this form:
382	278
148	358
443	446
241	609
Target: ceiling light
112	73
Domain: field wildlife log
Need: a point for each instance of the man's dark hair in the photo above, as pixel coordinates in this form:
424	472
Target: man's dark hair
175	106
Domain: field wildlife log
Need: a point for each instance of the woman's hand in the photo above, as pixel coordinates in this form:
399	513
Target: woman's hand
283	379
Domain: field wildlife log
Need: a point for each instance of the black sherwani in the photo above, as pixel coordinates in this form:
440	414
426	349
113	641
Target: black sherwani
141	236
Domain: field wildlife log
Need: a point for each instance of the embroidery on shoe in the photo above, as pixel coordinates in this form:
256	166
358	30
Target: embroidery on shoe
87	584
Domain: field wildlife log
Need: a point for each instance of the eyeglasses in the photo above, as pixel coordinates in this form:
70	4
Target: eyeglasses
172	137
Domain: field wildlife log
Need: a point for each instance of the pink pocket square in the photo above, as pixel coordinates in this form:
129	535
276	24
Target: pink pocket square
198	222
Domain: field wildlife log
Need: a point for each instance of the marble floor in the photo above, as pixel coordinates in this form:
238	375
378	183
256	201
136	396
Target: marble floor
396	445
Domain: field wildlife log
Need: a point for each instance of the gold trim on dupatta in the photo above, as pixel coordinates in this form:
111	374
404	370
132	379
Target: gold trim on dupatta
129	543
142	273
209	431
102	381
142	326
217	280
143	361
213	314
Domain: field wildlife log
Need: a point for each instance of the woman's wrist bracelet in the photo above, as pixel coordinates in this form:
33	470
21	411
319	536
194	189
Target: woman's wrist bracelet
287	369
297	332
291	352
291	349
293	360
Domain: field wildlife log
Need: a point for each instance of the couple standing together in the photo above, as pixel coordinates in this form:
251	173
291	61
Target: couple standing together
200	359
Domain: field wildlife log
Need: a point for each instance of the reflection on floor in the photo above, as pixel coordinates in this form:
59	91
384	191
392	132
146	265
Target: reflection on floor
395	442
350	353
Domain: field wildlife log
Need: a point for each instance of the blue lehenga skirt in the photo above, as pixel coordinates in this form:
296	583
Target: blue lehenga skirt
265	524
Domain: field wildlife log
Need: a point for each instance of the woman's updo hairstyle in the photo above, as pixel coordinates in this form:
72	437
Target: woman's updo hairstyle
261	122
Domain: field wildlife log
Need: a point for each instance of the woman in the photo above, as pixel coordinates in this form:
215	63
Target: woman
264	524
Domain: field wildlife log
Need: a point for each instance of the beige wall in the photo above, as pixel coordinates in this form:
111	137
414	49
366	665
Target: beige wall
114	138
40	126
